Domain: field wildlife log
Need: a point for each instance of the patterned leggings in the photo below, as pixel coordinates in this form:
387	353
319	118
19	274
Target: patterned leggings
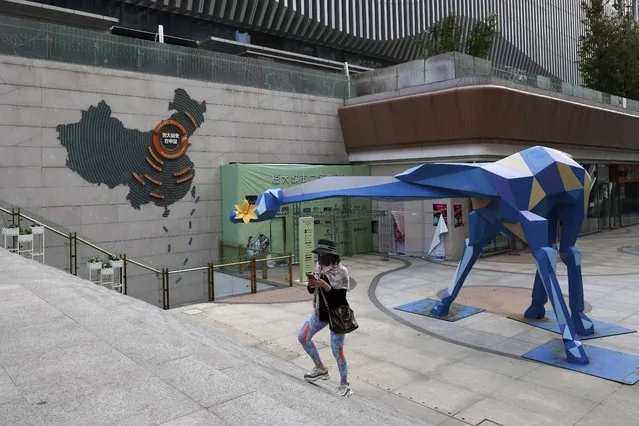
305	336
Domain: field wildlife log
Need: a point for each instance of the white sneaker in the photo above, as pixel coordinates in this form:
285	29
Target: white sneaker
345	390
317	373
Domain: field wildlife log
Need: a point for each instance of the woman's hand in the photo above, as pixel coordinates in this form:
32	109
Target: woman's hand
316	282
312	281
323	284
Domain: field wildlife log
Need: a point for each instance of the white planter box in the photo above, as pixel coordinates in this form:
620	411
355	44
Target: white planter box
116	263
11	232
37	230
25	238
107	271
94	266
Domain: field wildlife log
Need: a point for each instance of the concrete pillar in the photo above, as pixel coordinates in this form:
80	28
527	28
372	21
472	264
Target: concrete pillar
415	223
457	235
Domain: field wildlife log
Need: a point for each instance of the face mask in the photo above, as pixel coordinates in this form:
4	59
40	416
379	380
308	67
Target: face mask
324	259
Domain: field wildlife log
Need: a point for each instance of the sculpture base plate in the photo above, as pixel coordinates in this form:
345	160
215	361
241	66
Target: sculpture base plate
424	306
604	363
549	322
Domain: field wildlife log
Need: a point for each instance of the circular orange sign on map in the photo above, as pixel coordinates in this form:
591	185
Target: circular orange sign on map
170	139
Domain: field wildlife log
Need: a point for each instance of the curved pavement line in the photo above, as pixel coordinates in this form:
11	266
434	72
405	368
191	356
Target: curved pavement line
587	306
378	304
625	249
621	230
502	271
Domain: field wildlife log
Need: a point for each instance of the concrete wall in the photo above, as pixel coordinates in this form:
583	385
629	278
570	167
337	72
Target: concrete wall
240	125
418	218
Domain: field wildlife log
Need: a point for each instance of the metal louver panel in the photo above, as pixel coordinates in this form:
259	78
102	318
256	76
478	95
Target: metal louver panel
542	33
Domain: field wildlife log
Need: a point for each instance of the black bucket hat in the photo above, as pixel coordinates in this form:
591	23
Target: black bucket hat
325	246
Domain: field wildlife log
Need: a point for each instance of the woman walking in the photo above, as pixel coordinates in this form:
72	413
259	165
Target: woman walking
328	284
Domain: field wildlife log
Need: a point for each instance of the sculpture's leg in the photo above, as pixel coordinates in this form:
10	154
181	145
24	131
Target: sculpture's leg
537	309
481	232
546	258
571	256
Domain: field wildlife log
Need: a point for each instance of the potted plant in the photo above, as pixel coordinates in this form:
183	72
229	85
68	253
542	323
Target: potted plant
106	269
12	230
94	263
116	262
37	229
25	235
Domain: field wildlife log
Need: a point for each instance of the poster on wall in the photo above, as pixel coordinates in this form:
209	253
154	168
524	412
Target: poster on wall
398	232
459	218
306	245
440	210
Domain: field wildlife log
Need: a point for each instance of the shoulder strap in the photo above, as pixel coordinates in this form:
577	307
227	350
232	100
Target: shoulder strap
321	290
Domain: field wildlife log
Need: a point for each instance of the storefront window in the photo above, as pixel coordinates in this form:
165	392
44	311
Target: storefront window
625	193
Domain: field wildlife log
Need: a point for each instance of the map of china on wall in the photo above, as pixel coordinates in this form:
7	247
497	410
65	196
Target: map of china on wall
152	163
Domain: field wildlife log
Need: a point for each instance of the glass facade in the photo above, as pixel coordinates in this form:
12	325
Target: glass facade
614	202
184	26
540	38
624	194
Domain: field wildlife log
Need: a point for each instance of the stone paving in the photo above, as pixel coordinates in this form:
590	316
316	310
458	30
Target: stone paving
470	371
75	353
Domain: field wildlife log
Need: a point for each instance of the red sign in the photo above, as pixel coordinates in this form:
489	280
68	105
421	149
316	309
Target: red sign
624	173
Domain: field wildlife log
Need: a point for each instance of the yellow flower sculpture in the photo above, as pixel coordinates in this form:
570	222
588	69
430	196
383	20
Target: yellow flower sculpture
246	211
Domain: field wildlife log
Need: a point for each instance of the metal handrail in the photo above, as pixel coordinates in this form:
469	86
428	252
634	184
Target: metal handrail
181	271
82	240
55	231
164	273
135	262
225	265
103	251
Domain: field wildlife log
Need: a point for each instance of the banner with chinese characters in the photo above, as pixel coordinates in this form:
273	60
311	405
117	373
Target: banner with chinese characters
247	181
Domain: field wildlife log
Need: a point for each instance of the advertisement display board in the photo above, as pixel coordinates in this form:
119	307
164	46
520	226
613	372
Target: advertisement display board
277	236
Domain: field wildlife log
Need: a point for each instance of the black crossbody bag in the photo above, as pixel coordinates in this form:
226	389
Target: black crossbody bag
341	319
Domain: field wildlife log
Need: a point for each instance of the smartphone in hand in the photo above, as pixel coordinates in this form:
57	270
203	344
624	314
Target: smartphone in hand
310	277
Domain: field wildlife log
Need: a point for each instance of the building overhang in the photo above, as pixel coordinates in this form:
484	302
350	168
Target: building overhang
469	153
55	14
254	51
484	115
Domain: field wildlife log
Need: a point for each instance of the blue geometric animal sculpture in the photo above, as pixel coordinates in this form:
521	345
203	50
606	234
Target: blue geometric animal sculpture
526	195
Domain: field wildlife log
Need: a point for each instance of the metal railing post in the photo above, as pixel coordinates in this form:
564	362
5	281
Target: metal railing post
168	286
211	282
75	253
239	258
253	276
123	277
290	269
165	288
264	267
15	215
